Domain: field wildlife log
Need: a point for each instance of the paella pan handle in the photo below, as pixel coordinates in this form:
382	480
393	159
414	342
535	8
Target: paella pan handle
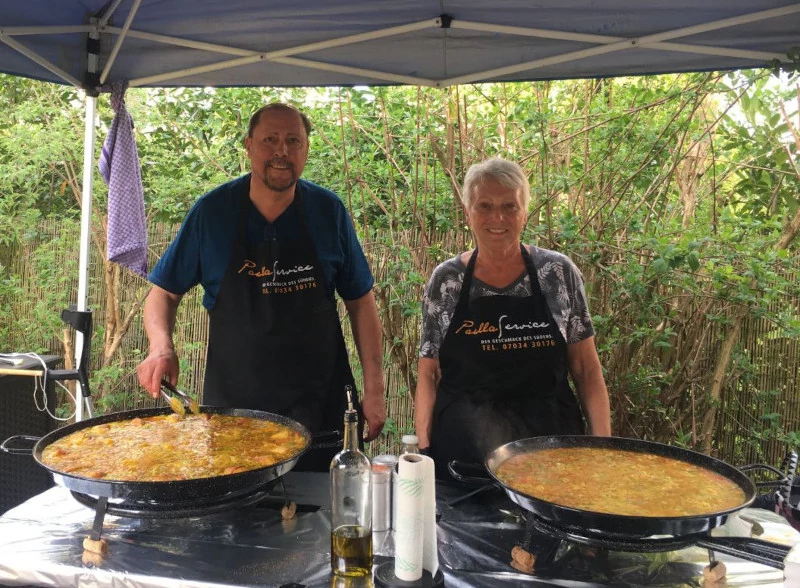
781	476
457	469
468	472
326	439
760	551
4	446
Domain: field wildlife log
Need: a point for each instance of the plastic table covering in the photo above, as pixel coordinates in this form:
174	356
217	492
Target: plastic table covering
41	544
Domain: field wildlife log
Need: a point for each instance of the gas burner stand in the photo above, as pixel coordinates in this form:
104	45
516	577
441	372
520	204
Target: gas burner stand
175	509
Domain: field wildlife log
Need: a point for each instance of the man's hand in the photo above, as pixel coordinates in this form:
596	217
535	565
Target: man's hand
160	310
374	407
158	365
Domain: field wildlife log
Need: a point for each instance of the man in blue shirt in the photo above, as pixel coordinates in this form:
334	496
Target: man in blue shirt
270	250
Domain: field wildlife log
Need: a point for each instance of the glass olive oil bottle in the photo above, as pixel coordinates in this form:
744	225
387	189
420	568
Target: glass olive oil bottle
351	503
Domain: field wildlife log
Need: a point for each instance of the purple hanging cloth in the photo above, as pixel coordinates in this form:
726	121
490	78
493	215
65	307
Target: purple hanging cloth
119	166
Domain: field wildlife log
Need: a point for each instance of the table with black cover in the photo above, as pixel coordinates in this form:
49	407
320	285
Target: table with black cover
41	544
20	476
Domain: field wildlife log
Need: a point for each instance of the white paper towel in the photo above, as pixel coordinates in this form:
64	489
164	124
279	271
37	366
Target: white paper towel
415	529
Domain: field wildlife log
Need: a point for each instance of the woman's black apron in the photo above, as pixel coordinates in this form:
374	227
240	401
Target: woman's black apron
504	375
275	341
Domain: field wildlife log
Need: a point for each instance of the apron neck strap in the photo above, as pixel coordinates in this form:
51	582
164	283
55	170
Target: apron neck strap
470	272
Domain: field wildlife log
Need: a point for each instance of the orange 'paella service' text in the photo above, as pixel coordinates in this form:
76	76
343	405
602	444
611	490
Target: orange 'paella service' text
169	447
620	482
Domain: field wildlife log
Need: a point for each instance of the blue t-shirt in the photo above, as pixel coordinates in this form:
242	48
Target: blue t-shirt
201	251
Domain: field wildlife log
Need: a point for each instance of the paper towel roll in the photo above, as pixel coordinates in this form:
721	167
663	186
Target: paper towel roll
415	529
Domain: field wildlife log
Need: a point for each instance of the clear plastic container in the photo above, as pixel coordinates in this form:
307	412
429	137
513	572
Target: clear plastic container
410	444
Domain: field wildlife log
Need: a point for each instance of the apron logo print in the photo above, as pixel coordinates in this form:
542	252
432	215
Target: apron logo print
468	327
508	336
248	266
482	329
519	326
280	281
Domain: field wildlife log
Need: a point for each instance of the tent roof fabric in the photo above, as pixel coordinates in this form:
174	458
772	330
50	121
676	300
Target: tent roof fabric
350	42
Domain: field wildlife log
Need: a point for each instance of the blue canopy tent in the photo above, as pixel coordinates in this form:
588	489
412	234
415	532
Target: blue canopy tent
89	43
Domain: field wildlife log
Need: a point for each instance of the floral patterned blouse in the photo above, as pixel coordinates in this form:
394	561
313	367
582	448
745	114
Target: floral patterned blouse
560	280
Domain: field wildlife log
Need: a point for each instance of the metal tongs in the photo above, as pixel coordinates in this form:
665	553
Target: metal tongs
176	404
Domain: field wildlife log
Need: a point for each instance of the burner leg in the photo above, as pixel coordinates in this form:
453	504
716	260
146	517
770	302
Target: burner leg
544	551
289	508
94	546
527	543
99	516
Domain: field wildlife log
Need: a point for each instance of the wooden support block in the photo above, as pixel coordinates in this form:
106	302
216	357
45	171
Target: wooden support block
288	511
517	566
714	574
100	547
91	559
524	558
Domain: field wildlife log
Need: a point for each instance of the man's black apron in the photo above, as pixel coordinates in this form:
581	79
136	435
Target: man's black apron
275	341
504	375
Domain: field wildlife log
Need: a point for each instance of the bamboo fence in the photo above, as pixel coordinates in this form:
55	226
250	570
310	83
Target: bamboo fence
774	390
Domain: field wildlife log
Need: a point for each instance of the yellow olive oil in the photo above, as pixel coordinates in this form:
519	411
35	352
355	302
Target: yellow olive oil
351	551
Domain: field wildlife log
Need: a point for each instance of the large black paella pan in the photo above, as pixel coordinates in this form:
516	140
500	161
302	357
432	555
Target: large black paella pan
600	523
173	492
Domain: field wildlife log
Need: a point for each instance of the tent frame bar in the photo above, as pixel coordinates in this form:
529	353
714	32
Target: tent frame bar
49	30
602	39
35	57
255	57
619	44
110	10
120	38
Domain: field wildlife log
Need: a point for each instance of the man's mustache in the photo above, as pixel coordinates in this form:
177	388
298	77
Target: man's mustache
280	163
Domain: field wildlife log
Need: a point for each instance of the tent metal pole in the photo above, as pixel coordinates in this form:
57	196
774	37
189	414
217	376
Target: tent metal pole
120	39
166	40
721	24
537	63
50	30
86	232
35	57
367	73
359	71
710	50
87	190
533	32
103	20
